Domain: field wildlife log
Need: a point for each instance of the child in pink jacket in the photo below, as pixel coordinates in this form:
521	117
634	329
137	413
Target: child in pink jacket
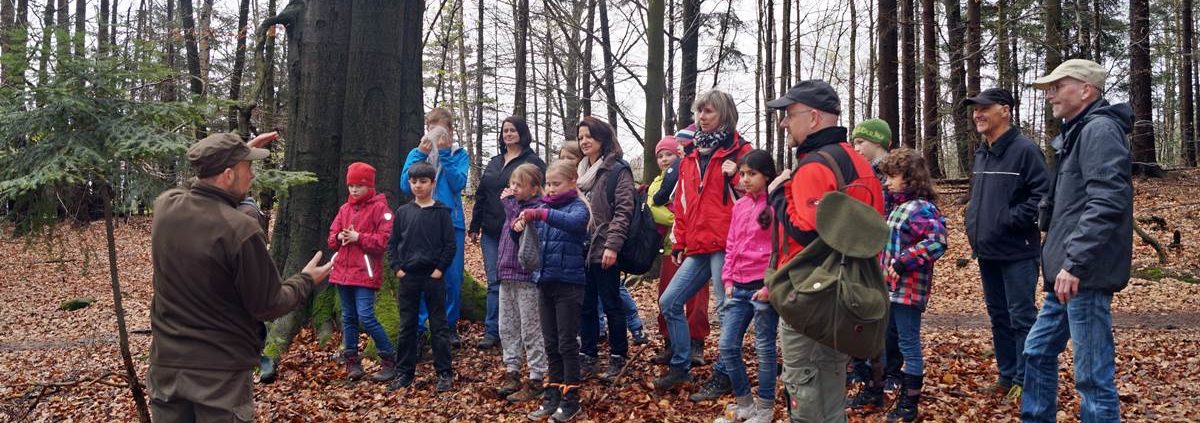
359	236
747	254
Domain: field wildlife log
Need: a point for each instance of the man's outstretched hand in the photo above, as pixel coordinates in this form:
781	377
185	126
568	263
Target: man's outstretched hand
316	272
262	140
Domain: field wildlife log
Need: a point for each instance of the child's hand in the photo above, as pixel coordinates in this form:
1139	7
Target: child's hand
761	295
729	291
399	274
508	192
437	274
342	236
425	146
351	235
518	225
534	214
677	256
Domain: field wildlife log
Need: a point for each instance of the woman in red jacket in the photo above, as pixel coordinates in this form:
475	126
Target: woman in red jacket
359	235
704	197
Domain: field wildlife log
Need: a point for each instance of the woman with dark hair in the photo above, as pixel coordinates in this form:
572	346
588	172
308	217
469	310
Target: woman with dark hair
516	148
612	210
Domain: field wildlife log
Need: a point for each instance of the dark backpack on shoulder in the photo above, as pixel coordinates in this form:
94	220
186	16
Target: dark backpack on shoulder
642	244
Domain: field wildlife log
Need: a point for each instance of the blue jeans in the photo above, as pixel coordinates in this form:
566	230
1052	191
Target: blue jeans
1009	288
358	307
453	279
491	322
632	320
905	322
691	276
739	310
1086	320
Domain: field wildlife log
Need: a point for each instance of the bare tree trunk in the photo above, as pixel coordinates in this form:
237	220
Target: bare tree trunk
889	84
669	118
721	43
193	53
654	86
769	83
101	28
521	9
853	62
1052	18
974	34
932	142
785	71
131	377
169	91
63	30
204	40
1140	87
610	89
1003	54
479	87
690	45
586	75
958	85
1187	144
239	65
908	87
80	35
758	75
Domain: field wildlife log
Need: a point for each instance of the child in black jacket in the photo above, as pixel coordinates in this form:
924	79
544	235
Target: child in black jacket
420	249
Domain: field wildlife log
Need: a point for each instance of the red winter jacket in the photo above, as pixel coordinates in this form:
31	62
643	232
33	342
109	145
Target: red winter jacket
373	221
703	208
796	201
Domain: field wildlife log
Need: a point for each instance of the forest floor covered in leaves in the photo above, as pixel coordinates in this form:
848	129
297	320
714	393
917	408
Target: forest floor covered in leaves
1158	348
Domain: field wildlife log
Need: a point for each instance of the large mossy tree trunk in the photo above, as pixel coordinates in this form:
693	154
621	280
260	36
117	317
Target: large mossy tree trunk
355	94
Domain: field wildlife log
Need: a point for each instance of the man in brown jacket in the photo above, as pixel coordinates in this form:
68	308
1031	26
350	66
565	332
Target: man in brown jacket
214	285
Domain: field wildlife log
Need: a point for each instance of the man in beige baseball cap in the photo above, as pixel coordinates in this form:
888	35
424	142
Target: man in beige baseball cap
1087	251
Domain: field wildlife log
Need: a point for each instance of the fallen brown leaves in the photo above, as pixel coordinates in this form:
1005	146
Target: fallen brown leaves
1157	362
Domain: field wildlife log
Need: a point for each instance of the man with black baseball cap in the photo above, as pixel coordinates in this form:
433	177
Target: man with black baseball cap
813	373
214	285
1008	180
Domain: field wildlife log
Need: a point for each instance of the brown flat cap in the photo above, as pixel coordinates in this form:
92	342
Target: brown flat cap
217	152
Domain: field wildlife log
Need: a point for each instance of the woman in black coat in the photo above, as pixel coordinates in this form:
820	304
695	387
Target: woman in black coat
516	148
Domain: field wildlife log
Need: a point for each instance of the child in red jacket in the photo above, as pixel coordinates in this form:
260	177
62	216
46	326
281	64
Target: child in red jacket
359	236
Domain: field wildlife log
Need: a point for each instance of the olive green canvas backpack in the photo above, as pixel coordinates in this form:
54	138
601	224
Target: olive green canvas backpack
833	291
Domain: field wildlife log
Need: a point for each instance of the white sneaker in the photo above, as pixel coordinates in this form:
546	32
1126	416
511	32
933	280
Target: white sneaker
763	412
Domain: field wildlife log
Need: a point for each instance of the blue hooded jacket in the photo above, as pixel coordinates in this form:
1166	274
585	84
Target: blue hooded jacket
451	179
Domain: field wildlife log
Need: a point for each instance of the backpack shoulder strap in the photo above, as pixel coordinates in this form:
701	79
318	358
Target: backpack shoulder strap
832	164
613	176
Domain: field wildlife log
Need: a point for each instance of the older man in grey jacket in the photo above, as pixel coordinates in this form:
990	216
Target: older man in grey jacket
1088	248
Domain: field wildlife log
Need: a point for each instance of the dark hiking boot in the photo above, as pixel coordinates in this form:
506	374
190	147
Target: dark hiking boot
587	367
529	391
868	396
488	343
615	364
713	388
401	381
663	357
387	369
552	395
354	370
445	382
568	408
697	353
512	382
906	406
675	376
